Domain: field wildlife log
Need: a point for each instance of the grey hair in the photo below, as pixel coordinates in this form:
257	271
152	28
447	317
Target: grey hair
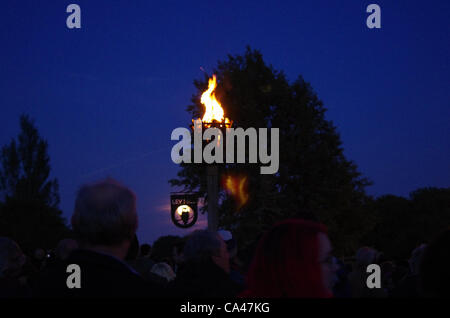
202	245
105	214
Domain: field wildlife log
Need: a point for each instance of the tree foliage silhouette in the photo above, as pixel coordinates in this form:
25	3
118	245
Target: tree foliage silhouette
314	180
402	224
29	212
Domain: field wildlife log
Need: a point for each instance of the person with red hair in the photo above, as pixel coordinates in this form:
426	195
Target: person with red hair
293	259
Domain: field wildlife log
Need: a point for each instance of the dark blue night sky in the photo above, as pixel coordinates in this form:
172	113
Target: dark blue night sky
107	96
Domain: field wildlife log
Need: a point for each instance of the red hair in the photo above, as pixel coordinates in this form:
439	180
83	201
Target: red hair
286	262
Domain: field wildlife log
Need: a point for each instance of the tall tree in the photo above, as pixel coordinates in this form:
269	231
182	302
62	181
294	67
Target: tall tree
314	180
29	213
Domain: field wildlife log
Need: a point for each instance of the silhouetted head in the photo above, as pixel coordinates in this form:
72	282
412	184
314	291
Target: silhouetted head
293	259
178	251
145	250
203	246
435	267
105	216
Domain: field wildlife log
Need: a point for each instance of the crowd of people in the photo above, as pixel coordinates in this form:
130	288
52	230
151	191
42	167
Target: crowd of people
293	259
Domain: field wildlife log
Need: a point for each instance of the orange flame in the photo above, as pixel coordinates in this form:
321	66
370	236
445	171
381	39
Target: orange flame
213	109
237	188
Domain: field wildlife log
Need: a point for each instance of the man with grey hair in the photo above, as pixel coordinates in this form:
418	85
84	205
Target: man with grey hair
105	218
104	222
206	268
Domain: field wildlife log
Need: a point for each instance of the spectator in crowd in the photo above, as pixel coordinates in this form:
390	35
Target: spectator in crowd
11	261
293	259
387	271
416	259
235	264
143	264
410	285
59	257
401	271
435	267
164	270
206	268
341	288
145	251
358	277
105	223
380	257
177	254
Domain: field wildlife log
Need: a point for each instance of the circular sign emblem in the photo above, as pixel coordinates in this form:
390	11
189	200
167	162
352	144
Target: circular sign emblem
184	216
184	210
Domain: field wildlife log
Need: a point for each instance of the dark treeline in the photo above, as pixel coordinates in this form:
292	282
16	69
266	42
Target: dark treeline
29	211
